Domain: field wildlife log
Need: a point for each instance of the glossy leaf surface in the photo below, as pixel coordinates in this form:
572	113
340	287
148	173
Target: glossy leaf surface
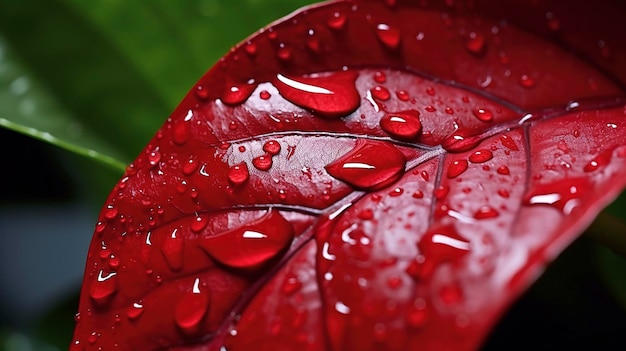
363	175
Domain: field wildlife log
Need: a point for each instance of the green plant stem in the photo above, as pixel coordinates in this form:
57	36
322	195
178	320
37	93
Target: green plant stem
610	232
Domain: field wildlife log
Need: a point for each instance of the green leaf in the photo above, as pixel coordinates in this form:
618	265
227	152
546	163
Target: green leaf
28	108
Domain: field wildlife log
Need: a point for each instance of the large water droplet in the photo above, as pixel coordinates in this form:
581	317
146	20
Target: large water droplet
438	246
134	311
253	245
192	308
370	165
565	195
403	125
460	141
238	174
329	95
388	35
480	156
272	147
263	162
173	249
456	168
380	93
103	287
199	223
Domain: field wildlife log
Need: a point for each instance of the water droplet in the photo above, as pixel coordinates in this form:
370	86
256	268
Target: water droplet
100	226
190	167
396	192
263	162
192	308
449	110
134	311
417	314
526	81
451	294
252	245
403	125
173	250
239	174
380	93
564	195
201	92
476	44
380	77
114	262
601	160
154	157
456	168
199	223
366	214
388	35
110	212
291	284
504	170
330	95
370	165
402	95
430	108
480	156
337	21
272	147
460	141
181	133
441	192
483	114
437	246
283	53
251	49
504	193
265	95
430	91
509	143
486	212
238	93
103	287
418	194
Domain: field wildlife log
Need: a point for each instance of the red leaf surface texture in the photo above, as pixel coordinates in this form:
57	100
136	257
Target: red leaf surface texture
364	175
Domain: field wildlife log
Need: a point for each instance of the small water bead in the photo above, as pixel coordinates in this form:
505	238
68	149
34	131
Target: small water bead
337	21
265	95
199	223
402	95
480	156
388	35
201	92
370	165
239	174
396	192
251	246
504	193
417	314
526	81
418	194
190	167
438	245
250	49
366	214
380	93
114	262
93	337
291	285
135	311
486	212
331	95
403	125
283	53
441	192
509	143
451	294
110	211
181	187
483	114
449	110
430	108
100	227
424	175
503	170
181	132
456	168
380	77
272	147
476	44
173	250
192	308
263	162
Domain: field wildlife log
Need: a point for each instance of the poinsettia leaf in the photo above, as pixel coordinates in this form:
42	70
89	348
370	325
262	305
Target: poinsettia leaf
361	175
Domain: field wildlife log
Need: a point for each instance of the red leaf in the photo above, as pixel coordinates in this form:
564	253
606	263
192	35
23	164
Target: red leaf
364	175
